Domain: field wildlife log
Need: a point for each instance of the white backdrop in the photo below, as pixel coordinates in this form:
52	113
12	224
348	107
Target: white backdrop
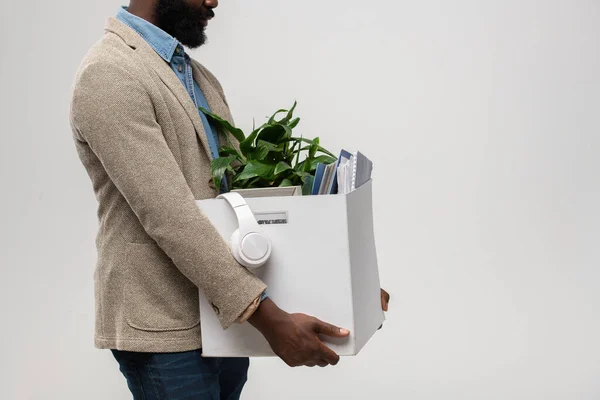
482	119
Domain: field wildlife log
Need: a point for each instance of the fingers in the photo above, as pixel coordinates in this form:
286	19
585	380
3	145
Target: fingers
322	356
320	363
329	355
385	299
329	330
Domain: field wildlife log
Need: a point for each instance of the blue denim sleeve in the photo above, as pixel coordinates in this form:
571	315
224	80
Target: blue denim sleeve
263	296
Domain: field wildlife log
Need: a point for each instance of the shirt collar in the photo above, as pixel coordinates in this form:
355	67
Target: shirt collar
163	43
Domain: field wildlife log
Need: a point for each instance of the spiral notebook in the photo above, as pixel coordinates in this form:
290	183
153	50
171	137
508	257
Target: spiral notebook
353	172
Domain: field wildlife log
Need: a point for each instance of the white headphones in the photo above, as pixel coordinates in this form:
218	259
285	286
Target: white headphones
250	246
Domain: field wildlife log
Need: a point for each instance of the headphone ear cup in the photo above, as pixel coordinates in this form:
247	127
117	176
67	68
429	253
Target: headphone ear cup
249	245
248	257
255	246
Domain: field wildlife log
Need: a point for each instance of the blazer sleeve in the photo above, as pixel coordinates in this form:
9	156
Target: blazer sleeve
112	112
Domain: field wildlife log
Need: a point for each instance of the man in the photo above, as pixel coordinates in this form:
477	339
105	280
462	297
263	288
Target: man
147	150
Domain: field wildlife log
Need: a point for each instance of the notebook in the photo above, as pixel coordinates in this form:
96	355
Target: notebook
353	172
344	155
363	168
324	177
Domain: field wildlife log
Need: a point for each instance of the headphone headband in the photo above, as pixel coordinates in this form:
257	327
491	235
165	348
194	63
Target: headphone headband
242	211
250	246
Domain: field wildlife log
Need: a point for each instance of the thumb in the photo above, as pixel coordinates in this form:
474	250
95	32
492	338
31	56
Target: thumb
329	330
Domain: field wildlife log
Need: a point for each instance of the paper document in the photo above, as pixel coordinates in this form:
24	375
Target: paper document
323	178
334	185
351	171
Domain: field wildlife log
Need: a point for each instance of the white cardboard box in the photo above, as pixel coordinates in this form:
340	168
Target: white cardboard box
323	264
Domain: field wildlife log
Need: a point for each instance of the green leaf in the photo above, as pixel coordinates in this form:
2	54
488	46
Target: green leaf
272	147
225	125
286	183
256	168
302	174
312	150
218	167
272	133
247	145
260	153
321	159
252	183
272	119
288	133
307	165
294	123
260	127
297	158
225	151
281	167
312	164
307	185
314	147
289	115
291	152
321	149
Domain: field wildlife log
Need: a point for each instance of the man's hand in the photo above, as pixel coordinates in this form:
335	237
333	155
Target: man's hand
385	301
293	337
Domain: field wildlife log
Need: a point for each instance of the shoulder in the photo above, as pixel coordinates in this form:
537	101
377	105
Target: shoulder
108	56
107	79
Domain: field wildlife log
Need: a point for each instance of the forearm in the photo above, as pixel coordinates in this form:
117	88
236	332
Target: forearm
267	316
171	217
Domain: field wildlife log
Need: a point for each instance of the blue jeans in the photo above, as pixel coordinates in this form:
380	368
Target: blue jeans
175	376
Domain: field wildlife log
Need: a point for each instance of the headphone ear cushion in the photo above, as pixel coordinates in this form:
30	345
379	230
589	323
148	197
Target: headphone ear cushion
254	242
235	246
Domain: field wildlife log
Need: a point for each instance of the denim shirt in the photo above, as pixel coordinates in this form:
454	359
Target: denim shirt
173	53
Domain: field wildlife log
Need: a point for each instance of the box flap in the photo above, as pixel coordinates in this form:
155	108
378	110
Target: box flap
366	295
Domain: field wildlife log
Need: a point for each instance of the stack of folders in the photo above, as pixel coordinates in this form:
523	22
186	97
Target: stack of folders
350	172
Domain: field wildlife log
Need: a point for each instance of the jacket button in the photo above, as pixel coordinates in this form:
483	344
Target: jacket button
217	311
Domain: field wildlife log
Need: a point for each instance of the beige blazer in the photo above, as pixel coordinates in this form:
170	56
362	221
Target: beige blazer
142	142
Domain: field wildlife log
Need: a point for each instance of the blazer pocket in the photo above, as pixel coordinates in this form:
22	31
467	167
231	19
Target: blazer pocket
158	298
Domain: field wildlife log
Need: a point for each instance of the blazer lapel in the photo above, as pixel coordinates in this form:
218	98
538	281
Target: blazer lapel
169	78
166	75
215	102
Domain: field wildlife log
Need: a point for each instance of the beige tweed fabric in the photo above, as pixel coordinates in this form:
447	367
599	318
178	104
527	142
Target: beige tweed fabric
141	140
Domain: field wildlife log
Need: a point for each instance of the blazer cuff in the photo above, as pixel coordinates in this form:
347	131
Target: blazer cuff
239	304
251	308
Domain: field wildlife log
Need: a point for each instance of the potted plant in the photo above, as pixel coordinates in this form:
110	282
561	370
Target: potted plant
270	156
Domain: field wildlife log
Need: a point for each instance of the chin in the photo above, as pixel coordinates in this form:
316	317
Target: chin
194	41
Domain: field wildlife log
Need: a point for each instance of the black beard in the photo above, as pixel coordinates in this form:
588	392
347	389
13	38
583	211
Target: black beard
183	21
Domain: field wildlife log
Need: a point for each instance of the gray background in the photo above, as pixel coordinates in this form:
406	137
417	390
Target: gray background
482	119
